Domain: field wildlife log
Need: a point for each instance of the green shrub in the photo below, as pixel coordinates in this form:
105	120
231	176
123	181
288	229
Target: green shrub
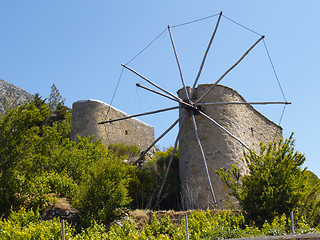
202	225
104	193
25	225
62	184
94	231
147	180
275	184
279	226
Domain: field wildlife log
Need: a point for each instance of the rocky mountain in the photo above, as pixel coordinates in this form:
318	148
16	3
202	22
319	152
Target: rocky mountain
11	96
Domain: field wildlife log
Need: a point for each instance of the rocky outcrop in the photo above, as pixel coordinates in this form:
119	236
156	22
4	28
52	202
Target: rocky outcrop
12	96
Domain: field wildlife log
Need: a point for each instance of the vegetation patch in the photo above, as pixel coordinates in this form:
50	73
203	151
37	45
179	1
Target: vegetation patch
43	172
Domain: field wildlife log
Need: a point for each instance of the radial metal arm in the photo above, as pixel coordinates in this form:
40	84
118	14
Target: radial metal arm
152	83
154	91
225	130
239	103
170	160
138	115
234	65
204	160
205	56
178	63
143	153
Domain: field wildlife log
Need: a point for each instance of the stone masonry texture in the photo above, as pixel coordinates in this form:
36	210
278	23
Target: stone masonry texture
86	114
221	151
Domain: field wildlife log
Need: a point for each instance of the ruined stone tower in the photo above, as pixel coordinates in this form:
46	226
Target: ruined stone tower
86	114
221	151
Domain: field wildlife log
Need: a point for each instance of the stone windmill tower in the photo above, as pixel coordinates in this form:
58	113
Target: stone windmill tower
215	125
221	150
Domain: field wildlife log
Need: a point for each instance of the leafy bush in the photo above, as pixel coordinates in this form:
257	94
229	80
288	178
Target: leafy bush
147	180
202	225
275	185
62	184
205	225
24	225
105	191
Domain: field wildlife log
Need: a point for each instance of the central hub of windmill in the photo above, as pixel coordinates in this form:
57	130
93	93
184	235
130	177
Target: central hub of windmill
190	106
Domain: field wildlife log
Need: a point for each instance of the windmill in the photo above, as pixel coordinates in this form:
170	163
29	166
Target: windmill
194	106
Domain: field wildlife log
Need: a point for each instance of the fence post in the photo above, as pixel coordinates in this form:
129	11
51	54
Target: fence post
187	228
292	223
62	228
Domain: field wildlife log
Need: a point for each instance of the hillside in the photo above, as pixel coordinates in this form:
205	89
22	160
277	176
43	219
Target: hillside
11	95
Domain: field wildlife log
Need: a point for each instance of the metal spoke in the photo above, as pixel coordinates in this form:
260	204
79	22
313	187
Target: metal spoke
138	115
205	55
239	103
204	159
143	153
154	91
243	56
152	83
234	137
170	160
178	63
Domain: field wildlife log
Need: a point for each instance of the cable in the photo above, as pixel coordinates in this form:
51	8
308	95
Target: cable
242	25
276	75
274	70
147	46
119	79
283	110
114	93
197	20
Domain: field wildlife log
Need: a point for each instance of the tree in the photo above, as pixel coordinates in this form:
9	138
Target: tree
275	184
30	141
55	98
19	137
37	158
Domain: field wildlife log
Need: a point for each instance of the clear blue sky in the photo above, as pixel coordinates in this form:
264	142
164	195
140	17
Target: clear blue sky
79	46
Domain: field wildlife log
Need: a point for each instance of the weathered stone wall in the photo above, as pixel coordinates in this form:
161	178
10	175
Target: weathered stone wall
221	151
86	114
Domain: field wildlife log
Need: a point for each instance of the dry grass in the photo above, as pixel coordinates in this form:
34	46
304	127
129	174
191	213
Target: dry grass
141	217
